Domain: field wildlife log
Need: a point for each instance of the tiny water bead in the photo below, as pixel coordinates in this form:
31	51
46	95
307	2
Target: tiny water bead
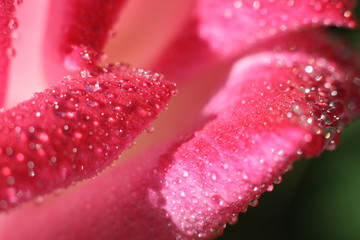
240	154
254	203
61	136
278	108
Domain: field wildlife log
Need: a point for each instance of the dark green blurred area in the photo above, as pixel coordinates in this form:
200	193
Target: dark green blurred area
318	199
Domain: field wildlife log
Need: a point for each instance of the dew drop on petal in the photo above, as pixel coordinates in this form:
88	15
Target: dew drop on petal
254	203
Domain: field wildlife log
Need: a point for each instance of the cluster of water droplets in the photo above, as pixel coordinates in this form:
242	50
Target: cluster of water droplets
299	91
75	129
80	58
325	102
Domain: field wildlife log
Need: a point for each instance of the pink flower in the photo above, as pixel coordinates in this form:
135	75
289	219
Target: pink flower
271	84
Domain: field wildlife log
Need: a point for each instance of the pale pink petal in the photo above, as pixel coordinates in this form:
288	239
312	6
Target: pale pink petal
279	106
26	70
225	28
144	28
8	23
75	129
73	25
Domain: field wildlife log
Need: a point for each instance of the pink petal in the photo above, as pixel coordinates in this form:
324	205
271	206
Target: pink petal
144	28
279	106
226	28
26	70
74	25
8	24
230	26
75	129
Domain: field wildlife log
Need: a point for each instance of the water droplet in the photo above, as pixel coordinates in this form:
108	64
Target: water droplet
91	103
256	5
30	164
39	200
218	200
6	171
270	188
9	151
10	180
84	74
278	180
214	176
43	137
53	159
93	87
238	4
31	129
13	24
347	14
225	166
20	157
318	7
254	203
150	129
3	204
31	173
233	220
11	52
111	120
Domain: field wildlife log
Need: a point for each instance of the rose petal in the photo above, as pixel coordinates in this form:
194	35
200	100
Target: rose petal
156	30
74	24
75	129
286	106
281	106
230	26
8	23
26	70
221	29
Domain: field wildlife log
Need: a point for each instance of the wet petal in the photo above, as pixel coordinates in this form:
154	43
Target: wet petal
280	106
8	25
230	26
222	29
75	129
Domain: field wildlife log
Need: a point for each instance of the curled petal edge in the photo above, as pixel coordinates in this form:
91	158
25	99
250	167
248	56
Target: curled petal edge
287	105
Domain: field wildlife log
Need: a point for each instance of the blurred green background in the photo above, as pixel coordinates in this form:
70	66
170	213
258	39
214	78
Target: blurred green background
318	199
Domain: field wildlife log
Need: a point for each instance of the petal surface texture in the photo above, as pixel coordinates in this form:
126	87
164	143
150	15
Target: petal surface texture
275	107
249	21
8	24
75	129
225	28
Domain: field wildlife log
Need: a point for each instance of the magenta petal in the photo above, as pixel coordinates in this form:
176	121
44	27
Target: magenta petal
226	28
75	129
8	23
74	24
230	26
275	108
